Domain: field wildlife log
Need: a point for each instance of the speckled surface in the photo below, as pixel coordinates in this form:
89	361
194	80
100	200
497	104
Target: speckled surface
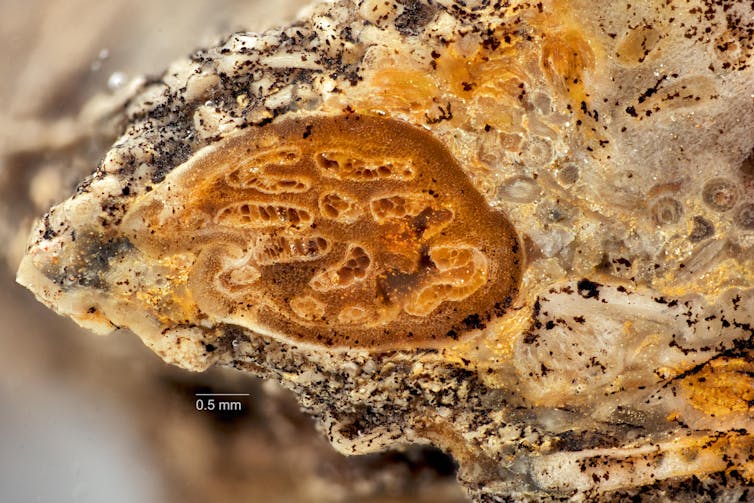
68	395
612	145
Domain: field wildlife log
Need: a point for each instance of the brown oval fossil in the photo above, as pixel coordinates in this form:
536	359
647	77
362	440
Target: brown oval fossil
341	231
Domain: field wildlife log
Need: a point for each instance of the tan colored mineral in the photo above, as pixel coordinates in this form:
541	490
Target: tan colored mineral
521	232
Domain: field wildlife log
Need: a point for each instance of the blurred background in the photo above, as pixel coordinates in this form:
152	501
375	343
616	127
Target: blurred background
93	419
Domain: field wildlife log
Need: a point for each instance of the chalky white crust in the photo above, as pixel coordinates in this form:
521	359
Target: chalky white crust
603	340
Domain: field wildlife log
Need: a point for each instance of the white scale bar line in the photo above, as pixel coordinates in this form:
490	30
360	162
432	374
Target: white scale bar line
222	394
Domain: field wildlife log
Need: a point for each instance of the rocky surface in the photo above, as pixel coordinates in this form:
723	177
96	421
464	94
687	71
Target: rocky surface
67	67
519	232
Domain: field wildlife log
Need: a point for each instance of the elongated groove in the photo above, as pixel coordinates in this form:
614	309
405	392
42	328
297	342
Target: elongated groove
376	239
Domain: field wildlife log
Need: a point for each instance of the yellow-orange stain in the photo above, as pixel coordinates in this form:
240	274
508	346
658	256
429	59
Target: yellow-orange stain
724	386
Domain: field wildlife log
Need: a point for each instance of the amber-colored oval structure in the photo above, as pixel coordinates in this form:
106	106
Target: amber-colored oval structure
346	231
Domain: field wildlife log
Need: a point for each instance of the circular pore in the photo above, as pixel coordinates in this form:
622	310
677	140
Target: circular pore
720	194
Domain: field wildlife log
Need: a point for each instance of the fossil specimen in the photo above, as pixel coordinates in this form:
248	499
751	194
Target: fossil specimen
322	232
522	232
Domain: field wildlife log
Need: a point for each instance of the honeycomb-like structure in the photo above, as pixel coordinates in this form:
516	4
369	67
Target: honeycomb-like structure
343	231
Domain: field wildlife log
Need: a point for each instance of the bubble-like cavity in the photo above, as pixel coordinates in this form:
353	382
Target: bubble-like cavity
270	249
568	174
745	216
340	207
245	275
261	173
263	215
552	212
459	272
666	211
308	307
537	151
343	166
519	189
269	184
399	206
720	194
350	315
237	277
344	274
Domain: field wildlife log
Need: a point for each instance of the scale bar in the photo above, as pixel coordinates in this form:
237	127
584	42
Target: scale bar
222	394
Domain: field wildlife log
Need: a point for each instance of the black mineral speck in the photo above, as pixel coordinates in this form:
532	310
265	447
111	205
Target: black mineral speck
473	322
588	289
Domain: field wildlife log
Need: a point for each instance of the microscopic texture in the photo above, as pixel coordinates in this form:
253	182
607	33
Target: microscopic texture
520	232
